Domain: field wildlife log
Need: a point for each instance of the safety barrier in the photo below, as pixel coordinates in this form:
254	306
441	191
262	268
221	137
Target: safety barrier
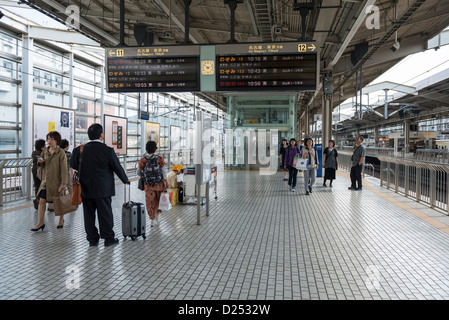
16	183
424	181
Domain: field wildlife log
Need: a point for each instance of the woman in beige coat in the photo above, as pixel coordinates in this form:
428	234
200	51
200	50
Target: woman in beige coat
53	162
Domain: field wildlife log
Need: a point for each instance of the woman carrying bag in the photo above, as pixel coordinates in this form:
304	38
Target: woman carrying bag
53	163
309	152
291	153
155	180
330	163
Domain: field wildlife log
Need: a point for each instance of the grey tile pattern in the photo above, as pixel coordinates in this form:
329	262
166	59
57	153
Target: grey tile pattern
259	242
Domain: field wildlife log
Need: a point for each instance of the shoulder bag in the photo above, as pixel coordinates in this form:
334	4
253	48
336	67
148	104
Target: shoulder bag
76	186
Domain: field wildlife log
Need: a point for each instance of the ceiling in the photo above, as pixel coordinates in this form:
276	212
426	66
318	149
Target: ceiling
337	26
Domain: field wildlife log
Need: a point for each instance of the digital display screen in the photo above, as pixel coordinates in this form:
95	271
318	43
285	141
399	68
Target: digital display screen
268	66
153	69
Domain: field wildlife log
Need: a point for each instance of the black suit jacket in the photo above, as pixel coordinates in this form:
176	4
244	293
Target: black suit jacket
99	162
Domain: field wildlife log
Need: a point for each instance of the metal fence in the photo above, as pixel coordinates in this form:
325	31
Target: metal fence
17	180
428	155
15	176
424	181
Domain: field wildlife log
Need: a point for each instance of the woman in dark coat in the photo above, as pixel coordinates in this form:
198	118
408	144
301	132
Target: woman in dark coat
39	146
330	159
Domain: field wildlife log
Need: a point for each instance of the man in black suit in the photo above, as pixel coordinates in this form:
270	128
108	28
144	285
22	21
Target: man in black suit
98	164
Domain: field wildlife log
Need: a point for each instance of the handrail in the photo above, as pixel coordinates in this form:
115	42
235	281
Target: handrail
16	181
426	182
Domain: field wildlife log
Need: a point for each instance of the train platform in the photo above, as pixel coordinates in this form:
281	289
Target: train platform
260	242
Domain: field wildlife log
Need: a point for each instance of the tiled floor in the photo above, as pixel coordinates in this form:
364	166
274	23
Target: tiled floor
259	242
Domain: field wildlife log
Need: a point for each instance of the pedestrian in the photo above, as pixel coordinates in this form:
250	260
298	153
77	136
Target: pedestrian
172	177
301	145
175	181
53	164
358	161
284	147
290	153
96	165
39	146
155	177
330	162
309	152
65	146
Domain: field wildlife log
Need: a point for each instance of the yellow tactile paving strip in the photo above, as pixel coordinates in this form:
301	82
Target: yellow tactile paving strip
432	221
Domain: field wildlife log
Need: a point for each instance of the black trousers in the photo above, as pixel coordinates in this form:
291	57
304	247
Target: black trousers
356	176
102	206
292	175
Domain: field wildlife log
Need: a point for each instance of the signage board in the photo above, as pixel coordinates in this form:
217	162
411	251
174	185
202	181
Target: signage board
153	69
281	66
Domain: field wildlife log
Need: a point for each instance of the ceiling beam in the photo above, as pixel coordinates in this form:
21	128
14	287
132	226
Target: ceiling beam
169	8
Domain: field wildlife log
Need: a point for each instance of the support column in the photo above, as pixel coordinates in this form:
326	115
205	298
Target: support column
307	123
386	104
376	136
326	132
143	137
407	135
27	97
102	98
71	84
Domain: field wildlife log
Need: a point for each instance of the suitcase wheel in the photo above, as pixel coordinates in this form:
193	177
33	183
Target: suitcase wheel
143	236
133	238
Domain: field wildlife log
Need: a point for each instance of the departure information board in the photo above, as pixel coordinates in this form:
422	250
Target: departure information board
153	69
282	66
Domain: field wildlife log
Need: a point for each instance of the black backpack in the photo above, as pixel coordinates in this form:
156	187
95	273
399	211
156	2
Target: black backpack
152	173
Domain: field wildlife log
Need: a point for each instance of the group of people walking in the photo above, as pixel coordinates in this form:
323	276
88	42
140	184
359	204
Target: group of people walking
291	151
95	163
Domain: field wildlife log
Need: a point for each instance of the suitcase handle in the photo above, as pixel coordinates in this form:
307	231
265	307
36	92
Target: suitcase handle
124	186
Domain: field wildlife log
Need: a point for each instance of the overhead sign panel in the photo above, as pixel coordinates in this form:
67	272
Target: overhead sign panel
280	66
153	69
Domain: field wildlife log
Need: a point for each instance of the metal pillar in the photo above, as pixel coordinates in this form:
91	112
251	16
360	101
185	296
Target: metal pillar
71	84
386	104
327	120
232	6
102	98
27	97
122	22
407	135
142	123
186	20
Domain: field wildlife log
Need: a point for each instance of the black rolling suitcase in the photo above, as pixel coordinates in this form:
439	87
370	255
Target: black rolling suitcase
133	218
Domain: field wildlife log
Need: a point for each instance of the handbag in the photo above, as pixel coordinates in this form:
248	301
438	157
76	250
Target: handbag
164	202
141	184
76	185
302	164
63	204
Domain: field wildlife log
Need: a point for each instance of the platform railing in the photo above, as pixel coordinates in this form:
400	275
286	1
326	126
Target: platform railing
17	180
428	155
15	177
424	181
